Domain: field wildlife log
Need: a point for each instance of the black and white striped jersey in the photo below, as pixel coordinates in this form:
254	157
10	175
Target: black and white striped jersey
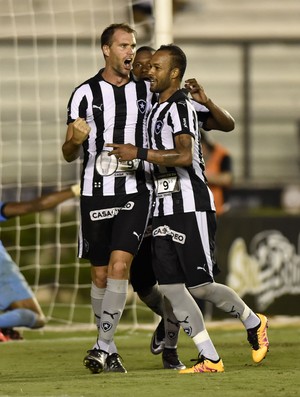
178	189
115	115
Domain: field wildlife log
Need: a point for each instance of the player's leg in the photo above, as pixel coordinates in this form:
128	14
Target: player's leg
228	301
142	277
144	283
125	231
17	302
27	313
94	240
170	357
225	298
171	263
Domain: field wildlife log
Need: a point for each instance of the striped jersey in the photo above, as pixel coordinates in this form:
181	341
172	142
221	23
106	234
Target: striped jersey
178	189
115	115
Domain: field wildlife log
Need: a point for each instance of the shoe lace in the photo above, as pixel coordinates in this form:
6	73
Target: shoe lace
96	351
200	359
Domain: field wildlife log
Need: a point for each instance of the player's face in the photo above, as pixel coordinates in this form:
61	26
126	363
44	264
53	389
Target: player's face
120	54
160	72
141	65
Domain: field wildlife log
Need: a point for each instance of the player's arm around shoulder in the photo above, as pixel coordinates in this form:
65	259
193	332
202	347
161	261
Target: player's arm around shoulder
180	156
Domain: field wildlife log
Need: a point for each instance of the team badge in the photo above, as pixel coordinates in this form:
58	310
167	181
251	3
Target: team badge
141	104
158	126
188	330
106	326
171	335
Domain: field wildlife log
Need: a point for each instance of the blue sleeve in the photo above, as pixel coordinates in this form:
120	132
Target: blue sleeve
2	216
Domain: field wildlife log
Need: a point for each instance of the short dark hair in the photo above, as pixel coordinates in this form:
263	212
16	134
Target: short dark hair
178	57
145	48
107	34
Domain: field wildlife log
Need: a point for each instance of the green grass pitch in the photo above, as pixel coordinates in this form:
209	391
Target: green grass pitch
48	363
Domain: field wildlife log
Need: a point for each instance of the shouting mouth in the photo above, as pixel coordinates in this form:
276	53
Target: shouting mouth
127	63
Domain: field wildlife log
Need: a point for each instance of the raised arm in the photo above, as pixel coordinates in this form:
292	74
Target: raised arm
219	119
77	133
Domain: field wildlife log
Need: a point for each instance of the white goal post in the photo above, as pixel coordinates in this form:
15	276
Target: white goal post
47	48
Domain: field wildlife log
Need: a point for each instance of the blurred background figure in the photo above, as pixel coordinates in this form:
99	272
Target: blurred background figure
18	305
218	170
142	11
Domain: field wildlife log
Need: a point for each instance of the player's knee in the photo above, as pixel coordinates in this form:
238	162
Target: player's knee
40	322
119	270
99	276
201	292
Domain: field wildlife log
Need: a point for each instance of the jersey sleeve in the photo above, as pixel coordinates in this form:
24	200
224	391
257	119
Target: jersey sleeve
3	218
202	112
77	106
184	118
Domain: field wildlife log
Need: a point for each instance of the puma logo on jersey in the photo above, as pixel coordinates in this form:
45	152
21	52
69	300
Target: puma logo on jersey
98	107
137	235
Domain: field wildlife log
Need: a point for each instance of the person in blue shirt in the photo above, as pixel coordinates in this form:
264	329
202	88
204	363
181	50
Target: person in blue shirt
18	305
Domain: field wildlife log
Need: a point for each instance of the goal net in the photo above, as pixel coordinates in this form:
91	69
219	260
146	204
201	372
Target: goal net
47	48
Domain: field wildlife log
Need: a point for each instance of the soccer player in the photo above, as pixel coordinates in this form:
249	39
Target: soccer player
165	337
184	221
115	196
18	304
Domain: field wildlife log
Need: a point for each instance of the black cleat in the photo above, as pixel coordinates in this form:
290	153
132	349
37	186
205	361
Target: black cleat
95	360
158	339
11	334
114	364
170	359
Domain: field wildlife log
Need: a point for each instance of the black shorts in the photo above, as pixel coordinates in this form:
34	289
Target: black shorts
112	223
142	275
183	248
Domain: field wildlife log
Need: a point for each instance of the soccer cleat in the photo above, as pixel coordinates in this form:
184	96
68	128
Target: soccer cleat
170	359
204	365
11	334
95	360
114	363
258	339
158	339
3	338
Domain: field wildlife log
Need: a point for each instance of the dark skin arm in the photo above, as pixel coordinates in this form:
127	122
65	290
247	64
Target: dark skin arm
48	201
180	156
219	118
